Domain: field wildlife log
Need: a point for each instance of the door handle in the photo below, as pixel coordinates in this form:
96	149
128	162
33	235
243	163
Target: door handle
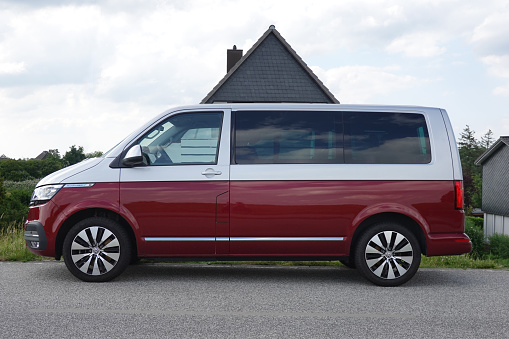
210	171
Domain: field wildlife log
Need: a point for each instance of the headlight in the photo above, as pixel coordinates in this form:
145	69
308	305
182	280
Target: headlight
44	193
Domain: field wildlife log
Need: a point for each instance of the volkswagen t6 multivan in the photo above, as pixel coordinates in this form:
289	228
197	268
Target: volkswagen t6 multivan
371	186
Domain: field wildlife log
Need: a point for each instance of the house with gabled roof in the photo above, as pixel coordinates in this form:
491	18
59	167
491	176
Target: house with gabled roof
495	187
271	71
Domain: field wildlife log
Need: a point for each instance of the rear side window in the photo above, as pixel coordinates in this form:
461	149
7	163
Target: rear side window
386	138
279	137
324	137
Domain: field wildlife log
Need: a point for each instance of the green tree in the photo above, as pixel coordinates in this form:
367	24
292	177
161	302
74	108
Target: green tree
73	156
470	149
95	154
15	170
20	170
54	156
487	139
2	194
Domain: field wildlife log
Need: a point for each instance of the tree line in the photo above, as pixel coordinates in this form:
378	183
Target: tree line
471	148
27	169
19	177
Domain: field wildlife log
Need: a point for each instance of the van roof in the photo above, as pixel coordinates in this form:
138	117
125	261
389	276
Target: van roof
264	106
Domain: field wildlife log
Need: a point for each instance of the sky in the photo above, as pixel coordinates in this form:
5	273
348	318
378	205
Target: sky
87	73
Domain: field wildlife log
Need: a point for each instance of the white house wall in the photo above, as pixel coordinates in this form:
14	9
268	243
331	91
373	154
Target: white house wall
494	223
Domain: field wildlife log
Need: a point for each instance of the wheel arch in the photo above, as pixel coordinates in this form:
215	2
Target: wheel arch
401	219
89	213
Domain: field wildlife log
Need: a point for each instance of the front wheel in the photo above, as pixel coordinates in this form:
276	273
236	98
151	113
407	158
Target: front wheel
388	254
97	249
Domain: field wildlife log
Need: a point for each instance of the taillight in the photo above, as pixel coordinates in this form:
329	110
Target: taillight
458	190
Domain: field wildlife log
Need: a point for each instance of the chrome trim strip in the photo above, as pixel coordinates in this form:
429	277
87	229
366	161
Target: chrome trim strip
245	239
179	239
79	185
286	238
31	234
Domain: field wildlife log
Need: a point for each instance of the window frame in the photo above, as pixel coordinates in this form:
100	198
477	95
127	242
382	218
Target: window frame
338	140
221	115
341	147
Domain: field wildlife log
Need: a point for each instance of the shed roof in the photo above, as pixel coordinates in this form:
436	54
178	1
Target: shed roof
271	71
503	141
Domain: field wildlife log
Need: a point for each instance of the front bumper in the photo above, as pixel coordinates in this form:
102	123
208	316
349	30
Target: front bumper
35	237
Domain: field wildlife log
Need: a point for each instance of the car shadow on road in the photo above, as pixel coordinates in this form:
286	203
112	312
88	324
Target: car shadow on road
175	272
242	272
274	273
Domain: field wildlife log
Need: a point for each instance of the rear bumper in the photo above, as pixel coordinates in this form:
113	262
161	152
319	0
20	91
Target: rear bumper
448	244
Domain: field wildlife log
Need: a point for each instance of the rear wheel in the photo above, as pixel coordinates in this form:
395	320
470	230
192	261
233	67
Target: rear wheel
97	249
388	254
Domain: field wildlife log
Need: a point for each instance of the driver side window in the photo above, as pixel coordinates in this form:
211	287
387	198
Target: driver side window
184	139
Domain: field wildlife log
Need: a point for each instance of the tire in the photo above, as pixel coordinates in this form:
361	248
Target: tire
97	250
388	254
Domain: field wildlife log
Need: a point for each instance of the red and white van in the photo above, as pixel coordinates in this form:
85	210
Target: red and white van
372	186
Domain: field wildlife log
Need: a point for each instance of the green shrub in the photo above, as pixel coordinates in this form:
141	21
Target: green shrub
474	229
499	245
20	170
476	221
14	204
27	185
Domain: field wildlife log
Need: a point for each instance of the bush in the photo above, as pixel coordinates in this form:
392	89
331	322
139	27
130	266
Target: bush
20	170
476	221
14	207
499	245
474	229
14	200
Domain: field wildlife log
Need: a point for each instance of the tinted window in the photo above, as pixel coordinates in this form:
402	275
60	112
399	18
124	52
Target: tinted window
191	138
288	137
386	138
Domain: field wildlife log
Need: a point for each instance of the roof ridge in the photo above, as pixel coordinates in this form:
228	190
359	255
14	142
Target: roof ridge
492	149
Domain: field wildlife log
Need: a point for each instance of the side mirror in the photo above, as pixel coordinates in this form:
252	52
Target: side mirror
134	157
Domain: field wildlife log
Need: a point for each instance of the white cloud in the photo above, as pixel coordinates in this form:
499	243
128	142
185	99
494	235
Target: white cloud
12	67
71	68
359	84
48	121
417	45
490	37
498	66
490	40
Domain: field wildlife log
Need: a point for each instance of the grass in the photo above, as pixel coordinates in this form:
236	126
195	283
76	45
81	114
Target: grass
21	185
12	245
462	261
13	248
454	261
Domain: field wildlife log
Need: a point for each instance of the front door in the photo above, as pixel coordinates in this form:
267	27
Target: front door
173	200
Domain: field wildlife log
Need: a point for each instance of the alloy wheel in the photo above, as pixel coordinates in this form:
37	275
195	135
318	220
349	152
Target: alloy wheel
389	255
95	250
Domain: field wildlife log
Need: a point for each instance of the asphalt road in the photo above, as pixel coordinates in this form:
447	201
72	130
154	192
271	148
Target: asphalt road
43	300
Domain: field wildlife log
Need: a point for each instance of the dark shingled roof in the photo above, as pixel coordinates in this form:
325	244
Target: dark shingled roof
503	141
270	71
